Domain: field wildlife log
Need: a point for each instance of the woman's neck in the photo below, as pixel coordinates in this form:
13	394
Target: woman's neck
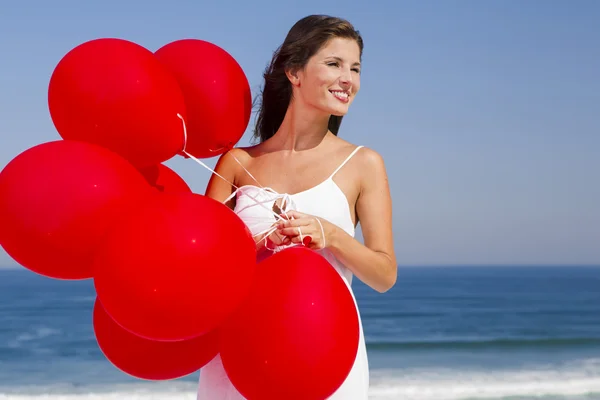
301	129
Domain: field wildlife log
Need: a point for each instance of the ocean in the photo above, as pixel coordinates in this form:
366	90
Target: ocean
442	333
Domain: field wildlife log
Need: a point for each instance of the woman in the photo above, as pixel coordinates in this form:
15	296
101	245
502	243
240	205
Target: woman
321	185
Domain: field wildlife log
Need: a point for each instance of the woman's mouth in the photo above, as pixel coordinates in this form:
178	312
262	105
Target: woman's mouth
341	95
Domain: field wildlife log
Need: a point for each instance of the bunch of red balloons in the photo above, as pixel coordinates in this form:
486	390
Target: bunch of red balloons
175	272
168	265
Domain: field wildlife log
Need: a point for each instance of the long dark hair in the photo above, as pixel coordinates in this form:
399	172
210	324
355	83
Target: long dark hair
305	39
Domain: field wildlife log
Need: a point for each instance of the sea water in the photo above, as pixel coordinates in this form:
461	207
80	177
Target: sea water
442	333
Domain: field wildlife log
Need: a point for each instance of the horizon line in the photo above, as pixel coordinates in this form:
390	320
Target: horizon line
16	267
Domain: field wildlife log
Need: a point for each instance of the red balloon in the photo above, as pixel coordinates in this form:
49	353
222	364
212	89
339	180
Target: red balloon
115	93
177	268
149	359
59	199
216	91
164	179
296	335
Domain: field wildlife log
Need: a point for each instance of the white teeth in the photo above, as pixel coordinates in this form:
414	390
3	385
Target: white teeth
340	95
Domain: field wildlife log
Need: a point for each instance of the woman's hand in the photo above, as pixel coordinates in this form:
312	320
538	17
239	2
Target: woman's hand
277	239
271	239
315	233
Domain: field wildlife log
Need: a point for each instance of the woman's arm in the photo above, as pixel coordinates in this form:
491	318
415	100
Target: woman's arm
374	263
219	189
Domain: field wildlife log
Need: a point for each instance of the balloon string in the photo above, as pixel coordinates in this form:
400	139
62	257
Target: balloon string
278	216
215	172
185	139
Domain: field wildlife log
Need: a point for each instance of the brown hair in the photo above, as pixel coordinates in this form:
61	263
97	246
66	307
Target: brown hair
304	39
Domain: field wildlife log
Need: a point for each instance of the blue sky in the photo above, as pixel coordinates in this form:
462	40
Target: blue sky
486	113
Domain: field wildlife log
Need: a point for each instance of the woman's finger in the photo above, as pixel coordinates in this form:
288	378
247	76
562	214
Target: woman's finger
308	241
276	239
296	239
295	214
294	223
293	231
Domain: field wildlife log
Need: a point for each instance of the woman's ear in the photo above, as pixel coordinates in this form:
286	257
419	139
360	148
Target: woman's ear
293	76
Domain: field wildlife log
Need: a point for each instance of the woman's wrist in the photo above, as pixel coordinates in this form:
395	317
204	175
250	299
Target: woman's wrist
334	237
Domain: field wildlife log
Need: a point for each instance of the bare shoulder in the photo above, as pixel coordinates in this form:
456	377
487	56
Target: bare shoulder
371	159
241	153
343	148
373	172
231	160
366	159
365	162
248	153
222	184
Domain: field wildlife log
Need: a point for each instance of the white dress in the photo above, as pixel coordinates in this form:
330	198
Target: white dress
325	200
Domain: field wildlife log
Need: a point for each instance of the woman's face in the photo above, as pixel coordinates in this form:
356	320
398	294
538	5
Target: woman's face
331	78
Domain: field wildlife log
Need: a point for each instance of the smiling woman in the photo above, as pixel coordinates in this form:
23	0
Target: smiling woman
314	41
320	184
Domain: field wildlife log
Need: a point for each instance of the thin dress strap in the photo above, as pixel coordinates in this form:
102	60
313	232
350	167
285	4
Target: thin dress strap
345	161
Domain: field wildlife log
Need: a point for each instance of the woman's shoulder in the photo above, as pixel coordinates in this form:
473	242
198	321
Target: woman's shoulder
361	163
246	153
237	155
371	167
231	162
364	155
370	157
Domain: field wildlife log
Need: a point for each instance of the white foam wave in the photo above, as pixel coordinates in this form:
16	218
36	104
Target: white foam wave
127	395
34	334
568	381
38	333
137	391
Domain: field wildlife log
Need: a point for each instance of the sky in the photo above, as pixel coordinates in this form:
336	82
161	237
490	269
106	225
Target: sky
487	114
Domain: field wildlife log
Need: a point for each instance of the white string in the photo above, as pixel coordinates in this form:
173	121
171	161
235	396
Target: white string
322	231
244	168
286	198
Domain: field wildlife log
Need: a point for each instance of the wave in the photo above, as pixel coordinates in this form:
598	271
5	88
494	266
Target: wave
504	343
32	335
575	380
134	391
